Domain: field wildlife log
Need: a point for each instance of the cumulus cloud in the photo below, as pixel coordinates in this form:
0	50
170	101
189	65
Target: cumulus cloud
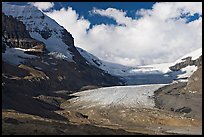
42	5
160	34
72	22
118	15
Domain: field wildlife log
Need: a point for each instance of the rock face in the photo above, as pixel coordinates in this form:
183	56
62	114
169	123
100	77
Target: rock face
187	62
13	28
15	35
194	84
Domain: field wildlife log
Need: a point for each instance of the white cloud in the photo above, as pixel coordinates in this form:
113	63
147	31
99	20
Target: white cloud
119	15
168	10
42	5
159	35
71	21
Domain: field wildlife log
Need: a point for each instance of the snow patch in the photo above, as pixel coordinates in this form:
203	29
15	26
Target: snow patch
57	55
188	71
55	46
152	69
38	68
15	56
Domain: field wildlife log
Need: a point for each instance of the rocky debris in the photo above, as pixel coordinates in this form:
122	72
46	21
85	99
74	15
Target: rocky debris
183	110
55	101
88	87
36	74
80	115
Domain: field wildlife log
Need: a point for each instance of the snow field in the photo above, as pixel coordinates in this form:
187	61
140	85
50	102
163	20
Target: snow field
140	96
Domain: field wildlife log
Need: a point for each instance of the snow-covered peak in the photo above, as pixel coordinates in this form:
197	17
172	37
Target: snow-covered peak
31	16
15	56
42	28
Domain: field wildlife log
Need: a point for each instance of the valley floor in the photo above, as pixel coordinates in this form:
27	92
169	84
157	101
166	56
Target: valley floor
133	108
16	123
112	110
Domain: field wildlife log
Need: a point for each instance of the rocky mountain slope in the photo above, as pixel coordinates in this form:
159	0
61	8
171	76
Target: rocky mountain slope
39	58
182	97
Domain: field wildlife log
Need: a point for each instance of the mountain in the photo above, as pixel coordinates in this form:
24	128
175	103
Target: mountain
164	73
58	42
39	59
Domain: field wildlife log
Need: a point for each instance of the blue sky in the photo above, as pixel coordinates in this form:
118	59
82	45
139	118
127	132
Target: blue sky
83	9
159	32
